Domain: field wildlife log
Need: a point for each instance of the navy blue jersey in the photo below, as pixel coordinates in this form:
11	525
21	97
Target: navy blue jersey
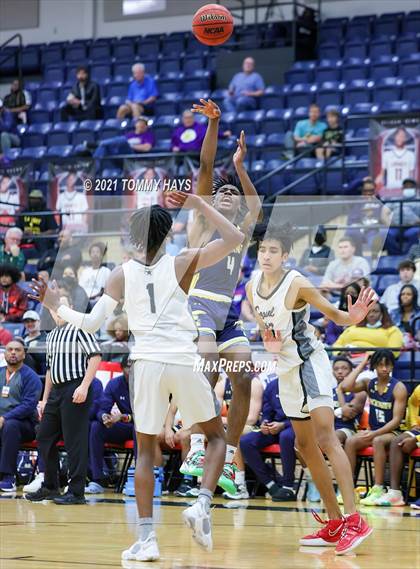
341	423
381	406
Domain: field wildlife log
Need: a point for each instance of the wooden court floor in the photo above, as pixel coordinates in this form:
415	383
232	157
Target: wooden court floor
248	535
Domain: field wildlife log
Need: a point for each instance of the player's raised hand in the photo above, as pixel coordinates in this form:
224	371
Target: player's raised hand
180	199
49	296
273	342
365	301
207	108
240	153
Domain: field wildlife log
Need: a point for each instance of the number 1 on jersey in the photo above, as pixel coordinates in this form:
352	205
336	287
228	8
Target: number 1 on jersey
151	290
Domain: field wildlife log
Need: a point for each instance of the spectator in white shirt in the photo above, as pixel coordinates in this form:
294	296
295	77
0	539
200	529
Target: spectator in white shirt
346	268
407	271
93	279
74	204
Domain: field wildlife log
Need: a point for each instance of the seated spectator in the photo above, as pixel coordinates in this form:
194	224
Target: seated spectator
414	253
110	427
140	140
406	314
13	300
114	350
5	335
78	296
275	429
308	132
402	239
333	330
35	225
35	340
63	254
20	392
142	94
73	204
403	444
375	331
373	215
93	278
406	271
245	88
84	100
189	135
223	392
346	268
332	137
316	258
18	101
8	133
347	406
387	402
10	251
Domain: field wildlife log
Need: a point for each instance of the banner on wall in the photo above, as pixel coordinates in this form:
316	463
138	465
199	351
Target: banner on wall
14	181
70	185
394	152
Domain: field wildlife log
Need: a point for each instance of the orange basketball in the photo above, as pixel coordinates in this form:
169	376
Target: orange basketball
212	24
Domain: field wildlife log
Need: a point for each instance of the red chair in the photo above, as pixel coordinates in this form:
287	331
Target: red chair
413	461
273	452
127	450
365	459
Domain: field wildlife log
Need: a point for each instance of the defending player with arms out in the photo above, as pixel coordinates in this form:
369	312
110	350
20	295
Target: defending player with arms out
212	290
281	302
387	403
154	287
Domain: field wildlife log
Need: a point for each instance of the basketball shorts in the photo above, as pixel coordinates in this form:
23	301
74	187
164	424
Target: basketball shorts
152	383
348	432
219	320
306	387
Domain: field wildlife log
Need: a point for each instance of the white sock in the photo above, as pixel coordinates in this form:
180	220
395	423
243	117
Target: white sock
240	477
197	444
145	528
205	497
230	453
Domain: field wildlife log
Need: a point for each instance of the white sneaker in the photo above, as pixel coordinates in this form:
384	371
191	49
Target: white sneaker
146	550
196	518
35	485
241	494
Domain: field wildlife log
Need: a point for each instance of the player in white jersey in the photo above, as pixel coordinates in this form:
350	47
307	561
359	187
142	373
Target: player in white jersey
398	163
154	287
281	302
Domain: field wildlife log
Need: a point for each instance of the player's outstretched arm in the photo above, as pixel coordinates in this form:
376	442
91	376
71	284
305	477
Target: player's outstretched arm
49	296
251	197
209	146
350	383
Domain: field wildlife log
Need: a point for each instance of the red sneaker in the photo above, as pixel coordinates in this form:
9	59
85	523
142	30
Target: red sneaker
355	532
327	536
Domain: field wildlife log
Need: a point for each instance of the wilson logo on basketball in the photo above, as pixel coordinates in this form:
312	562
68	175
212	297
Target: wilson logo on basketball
213	18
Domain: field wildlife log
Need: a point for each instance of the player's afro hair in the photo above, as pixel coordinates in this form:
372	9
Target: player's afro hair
284	234
380	355
9	270
226	180
149	227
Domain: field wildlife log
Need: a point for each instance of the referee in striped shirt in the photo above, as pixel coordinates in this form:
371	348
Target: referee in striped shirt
73	356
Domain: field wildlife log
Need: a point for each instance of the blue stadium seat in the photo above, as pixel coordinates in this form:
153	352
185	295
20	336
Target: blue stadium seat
34	152
355	49
395	106
53	73
258	166
306	187
387	89
167	64
195	63
249	121
187	100
409	68
331	31
360	109
119	124
411	24
330	50
111	173
13	153
380	47
357	91
122	71
100	51
46	96
101	73
34	139
168	85
332	73
81	136
108	133
172	45
123	49
51	54
406	46
194	46
42	128
75	53
148	47
310	64
387	265
30	59
162	146
69	126
299	76
411	91
94	125
197	83
387	280
354	71
117	90
276	121
39	115
386	27
329	93
358	29
61	151
383	69
58	138
276	140
167	104
15	328
301	95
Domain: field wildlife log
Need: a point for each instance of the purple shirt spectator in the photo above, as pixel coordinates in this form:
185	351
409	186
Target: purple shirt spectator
189	136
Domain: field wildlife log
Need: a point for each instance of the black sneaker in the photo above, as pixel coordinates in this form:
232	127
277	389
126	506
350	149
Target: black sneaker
69	499
42	494
184	488
280	494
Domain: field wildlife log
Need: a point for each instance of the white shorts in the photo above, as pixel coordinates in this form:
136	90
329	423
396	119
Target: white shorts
307	386
348	432
151	384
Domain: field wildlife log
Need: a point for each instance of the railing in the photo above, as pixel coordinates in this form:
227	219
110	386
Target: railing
10	55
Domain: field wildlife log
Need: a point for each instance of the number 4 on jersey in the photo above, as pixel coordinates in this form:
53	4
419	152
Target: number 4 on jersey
230	263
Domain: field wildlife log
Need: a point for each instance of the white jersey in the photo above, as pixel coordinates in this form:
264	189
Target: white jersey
74	204
299	340
158	313
399	164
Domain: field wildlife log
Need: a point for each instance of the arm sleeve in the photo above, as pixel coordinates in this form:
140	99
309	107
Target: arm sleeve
93	321
31	393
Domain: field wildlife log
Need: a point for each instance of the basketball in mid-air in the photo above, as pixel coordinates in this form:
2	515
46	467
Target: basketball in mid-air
212	24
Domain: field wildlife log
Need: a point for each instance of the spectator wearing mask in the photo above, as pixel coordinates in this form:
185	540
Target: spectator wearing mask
275	429
138	141
20	390
8	133
333	330
13	300
405	238
114	350
406	271
346	267
332	137
34	340
316	258
63	254
10	251
142	94
245	88
73	204
110	427
78	296
406	314
375	331
93	278
84	100
189	135
35	225
18	101
308	132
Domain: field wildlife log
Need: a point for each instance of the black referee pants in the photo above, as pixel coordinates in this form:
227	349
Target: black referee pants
64	419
